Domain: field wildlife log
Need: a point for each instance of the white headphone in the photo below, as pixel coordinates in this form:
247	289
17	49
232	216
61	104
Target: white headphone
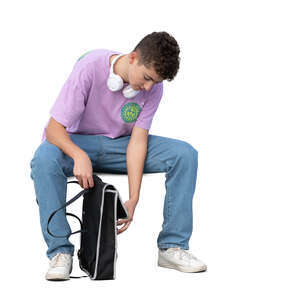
115	82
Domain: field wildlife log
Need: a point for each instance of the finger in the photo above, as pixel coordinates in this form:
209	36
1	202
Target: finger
119	230
122	229
85	183
122	221
90	181
79	180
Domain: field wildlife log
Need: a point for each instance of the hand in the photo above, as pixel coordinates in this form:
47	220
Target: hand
130	206
83	170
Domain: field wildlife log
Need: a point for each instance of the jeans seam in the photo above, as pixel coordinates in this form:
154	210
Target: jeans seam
169	245
98	154
169	196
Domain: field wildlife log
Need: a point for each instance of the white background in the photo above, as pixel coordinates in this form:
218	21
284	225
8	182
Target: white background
235	99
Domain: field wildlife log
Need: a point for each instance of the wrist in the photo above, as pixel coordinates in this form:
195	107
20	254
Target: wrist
79	153
134	199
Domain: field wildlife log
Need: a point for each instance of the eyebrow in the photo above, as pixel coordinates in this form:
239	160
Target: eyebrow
153	79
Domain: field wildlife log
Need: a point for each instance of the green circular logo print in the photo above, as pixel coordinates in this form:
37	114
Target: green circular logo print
130	112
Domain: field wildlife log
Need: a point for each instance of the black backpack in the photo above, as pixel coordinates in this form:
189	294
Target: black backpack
102	207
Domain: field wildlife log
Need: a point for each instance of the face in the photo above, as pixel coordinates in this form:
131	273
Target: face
140	77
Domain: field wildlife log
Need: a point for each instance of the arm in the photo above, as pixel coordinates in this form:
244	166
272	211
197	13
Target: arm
57	135
136	153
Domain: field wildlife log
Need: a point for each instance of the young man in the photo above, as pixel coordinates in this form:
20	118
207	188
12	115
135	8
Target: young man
100	122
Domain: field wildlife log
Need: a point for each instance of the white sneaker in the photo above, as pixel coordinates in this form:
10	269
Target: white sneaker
181	260
60	267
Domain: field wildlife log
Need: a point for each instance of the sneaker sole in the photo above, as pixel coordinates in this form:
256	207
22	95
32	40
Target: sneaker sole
56	277
183	269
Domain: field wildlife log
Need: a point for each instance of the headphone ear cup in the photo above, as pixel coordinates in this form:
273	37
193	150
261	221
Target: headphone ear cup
114	82
129	92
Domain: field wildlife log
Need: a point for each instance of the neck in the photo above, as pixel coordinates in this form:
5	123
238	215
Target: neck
121	67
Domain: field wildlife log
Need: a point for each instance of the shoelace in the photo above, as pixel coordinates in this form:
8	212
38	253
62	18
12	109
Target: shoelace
60	260
184	254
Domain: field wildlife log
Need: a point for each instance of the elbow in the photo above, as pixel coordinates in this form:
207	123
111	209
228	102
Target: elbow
47	132
52	128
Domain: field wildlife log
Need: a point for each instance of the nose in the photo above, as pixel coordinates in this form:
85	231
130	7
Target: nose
148	86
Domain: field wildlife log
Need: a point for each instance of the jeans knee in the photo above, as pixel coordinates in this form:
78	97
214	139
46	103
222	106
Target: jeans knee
46	159
187	151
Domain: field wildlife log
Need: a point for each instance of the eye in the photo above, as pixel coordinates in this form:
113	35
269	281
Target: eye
146	78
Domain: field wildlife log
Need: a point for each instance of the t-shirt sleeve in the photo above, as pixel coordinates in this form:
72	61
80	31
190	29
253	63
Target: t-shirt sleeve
71	101
146	115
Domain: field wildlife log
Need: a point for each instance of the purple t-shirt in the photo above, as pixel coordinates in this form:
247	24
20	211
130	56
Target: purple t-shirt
85	105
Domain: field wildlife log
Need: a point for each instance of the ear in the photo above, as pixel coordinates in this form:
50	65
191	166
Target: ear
133	56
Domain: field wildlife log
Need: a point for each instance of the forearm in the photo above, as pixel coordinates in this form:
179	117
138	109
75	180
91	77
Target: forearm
57	135
135	154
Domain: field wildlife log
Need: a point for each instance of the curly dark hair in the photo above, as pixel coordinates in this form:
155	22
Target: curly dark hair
160	51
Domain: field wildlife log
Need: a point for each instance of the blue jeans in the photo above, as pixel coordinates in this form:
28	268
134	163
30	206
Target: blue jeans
50	168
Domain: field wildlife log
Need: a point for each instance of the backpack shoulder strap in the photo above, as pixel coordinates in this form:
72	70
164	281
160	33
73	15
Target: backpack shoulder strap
62	207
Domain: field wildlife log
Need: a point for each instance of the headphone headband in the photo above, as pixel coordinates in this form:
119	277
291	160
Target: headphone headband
113	62
115	81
